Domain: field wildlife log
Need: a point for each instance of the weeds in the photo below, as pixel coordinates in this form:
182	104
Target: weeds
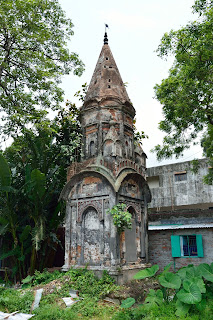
92	290
12	300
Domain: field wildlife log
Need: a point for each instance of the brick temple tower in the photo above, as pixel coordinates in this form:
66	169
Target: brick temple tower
112	171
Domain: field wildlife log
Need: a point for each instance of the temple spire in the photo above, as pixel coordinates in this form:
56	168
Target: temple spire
106	82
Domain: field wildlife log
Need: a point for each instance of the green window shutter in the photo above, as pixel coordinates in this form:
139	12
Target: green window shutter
199	245
175	243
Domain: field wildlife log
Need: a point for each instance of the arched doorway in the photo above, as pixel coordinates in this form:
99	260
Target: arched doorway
130	239
91	237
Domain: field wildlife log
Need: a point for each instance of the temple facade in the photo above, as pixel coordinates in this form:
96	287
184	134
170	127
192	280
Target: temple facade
112	171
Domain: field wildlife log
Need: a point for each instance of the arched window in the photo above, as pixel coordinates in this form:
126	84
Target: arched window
127	149
130	239
92	148
91	237
118	149
108	147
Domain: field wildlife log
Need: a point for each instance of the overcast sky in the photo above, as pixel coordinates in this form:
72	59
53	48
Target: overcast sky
135	30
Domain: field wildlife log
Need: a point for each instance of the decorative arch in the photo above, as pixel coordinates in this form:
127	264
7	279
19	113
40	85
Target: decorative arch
130	238
104	174
84	206
91	237
133	208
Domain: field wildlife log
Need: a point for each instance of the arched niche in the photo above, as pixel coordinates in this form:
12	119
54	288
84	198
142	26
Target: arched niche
127	149
138	159
130	239
118	148
92	149
91	237
108	149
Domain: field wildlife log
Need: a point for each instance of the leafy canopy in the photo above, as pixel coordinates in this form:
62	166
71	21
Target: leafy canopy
187	93
32	175
33	57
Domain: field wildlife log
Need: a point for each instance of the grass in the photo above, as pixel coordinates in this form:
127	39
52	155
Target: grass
91	290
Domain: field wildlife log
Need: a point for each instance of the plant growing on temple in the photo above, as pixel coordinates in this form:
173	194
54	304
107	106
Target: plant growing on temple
187	93
122	219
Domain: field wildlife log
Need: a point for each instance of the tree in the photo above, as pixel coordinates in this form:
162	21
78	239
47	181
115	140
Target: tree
187	93
32	174
33	57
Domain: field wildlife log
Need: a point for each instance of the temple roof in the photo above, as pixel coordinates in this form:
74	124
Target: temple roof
106	81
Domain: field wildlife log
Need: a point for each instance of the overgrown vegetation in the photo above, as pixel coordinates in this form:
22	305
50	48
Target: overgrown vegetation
189	291
186	294
57	285
32	175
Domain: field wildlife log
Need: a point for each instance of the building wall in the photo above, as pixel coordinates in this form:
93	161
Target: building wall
173	194
160	247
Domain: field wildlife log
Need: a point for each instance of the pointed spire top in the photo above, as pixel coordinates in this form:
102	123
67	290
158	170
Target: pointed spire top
106	82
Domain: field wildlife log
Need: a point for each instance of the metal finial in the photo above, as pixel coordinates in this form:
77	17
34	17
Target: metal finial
105	35
105	38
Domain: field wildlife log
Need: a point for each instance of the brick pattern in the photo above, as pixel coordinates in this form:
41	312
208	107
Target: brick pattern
160	247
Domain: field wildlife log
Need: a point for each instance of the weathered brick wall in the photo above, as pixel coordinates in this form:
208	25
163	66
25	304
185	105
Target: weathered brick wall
160	247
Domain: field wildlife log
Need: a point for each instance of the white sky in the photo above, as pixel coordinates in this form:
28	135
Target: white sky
135	30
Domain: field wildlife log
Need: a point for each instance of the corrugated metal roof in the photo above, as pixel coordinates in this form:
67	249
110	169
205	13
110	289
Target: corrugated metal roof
180	226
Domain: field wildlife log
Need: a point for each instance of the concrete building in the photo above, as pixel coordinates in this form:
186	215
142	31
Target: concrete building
112	171
180	215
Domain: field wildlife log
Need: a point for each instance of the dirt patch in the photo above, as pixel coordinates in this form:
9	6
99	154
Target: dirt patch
52	286
137	289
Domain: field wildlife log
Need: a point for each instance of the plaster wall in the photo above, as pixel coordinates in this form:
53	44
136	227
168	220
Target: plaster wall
171	193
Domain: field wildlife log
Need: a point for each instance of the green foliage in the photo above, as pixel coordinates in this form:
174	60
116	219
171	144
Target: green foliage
182	308
12	300
86	282
33	57
81	94
35	165
139	136
195	165
52	312
190	294
190	287
154	298
146	273
170	280
5	175
122	219
90	288
207	271
187	93
127	303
